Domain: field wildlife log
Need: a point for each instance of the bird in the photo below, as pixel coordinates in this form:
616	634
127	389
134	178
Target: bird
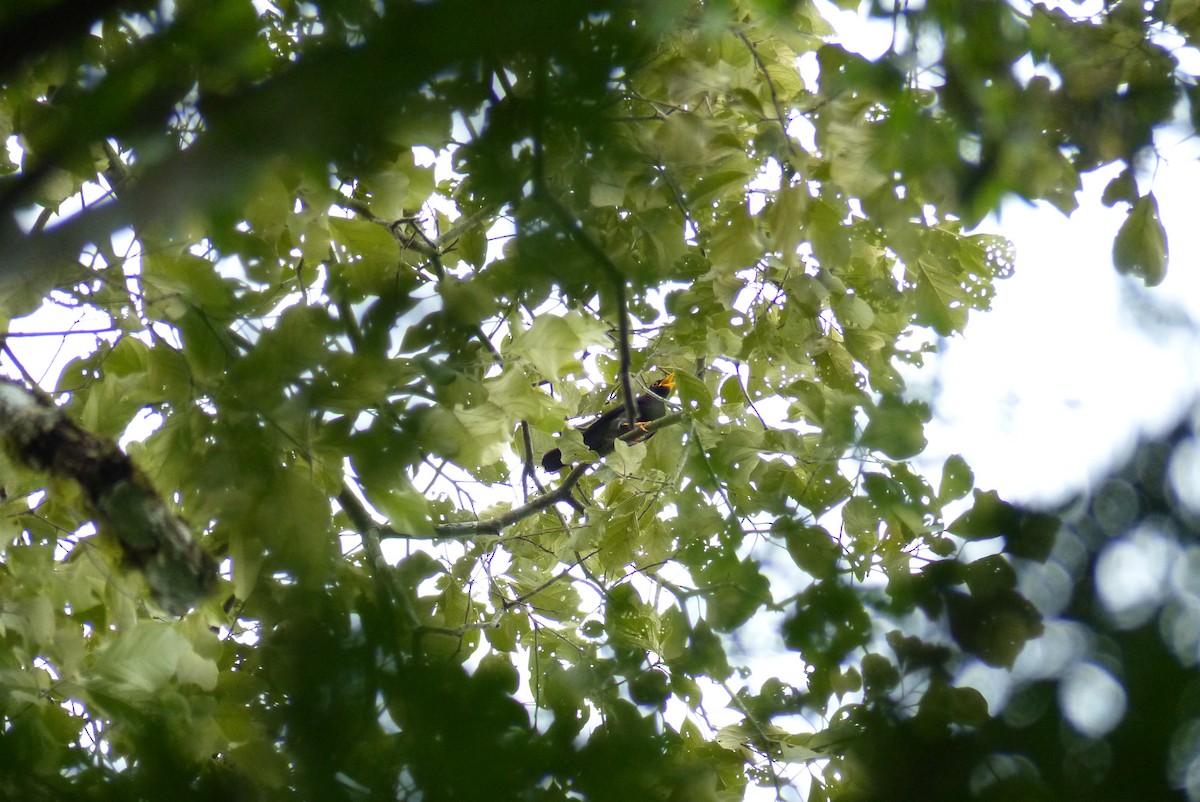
602	433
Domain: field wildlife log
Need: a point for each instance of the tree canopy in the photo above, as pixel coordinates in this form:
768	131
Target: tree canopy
358	265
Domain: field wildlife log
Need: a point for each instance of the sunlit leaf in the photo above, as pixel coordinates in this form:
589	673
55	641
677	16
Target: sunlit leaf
1141	244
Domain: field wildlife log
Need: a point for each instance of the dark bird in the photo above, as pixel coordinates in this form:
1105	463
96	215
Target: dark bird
600	434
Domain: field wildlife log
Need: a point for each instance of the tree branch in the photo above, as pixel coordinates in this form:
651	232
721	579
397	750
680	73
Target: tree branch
152	538
762	67
495	525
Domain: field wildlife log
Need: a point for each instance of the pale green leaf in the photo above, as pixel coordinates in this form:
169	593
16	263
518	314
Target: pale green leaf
736	243
854	312
364	238
141	661
515	393
471	437
828	235
196	670
940	300
405	509
606	193
551	344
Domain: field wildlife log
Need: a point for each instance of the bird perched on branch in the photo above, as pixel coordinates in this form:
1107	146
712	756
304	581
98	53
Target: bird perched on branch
602	433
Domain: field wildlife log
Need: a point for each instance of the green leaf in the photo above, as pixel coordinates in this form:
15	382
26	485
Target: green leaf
812	548
406	510
694	393
989	575
896	428
1034	537
626	460
401	189
182	281
713	185
684	137
861	520
471	437
1141	244
854	312
748	737
828	235
192	669
705	654
514	392
142	661
968	707
292	515
650	688
824	488
879	675
735	589
416	568
957	479
735	243
1121	188
994	629
551	343
497	671
988	517
940	302
364	238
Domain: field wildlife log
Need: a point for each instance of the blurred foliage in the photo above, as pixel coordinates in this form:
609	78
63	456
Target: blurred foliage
1103	707
358	261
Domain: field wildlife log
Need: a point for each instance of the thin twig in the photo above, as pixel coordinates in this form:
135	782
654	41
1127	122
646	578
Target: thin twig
589	246
461	226
524	597
750	402
32	384
109	330
493	526
759	730
712	475
779	115
528	470
496	618
382	573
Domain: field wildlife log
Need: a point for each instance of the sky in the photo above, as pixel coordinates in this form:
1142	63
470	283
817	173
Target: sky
1074	362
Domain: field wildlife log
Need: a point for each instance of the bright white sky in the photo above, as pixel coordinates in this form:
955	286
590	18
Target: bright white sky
1074	361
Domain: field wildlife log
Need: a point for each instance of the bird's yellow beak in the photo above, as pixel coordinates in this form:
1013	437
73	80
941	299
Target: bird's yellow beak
668	381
